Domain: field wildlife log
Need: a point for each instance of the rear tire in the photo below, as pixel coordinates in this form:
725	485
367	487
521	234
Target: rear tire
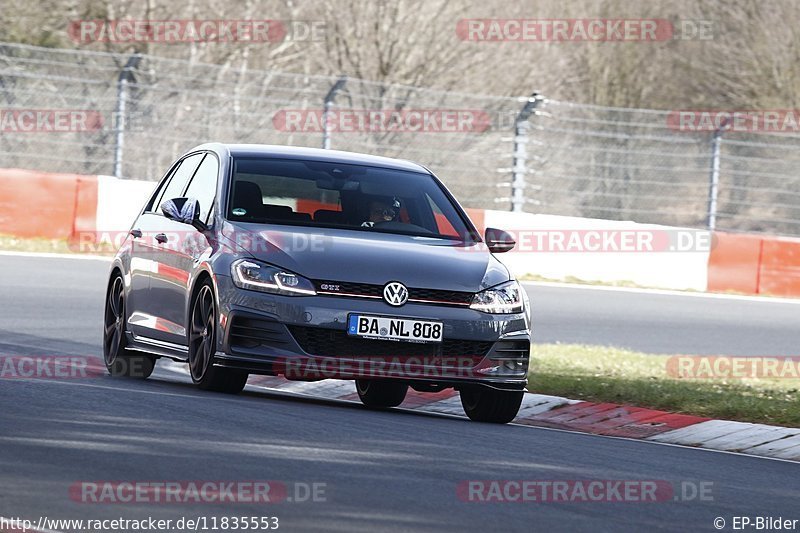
380	394
202	334
489	405
119	360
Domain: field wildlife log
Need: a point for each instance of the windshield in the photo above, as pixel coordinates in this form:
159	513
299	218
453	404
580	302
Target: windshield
361	198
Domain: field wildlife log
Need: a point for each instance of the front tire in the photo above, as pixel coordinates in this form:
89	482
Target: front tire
118	359
202	333
483	404
380	394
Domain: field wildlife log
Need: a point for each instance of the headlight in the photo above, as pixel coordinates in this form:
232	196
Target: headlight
505	298
256	276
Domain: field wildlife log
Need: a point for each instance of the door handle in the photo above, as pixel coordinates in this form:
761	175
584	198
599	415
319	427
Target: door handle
161	237
136	233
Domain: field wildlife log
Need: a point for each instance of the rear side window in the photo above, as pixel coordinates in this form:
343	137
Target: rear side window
177	183
203	186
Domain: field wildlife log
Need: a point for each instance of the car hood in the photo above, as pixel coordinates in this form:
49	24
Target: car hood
375	258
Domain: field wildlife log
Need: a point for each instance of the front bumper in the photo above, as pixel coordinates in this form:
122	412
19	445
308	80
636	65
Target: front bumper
305	338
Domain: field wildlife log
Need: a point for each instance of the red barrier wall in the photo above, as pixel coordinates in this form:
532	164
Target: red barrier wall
478	217
754	265
733	263
85	205
779	271
46	205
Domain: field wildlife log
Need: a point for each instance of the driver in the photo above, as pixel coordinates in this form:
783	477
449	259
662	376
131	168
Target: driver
382	210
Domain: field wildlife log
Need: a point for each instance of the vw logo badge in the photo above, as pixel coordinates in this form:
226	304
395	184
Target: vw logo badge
395	293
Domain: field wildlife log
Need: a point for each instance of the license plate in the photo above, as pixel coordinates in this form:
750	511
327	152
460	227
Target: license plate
395	329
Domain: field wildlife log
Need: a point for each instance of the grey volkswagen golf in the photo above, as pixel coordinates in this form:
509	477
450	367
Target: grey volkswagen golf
315	264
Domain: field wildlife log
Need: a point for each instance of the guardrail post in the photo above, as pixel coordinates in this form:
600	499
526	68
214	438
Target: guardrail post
518	171
329	98
125	76
713	187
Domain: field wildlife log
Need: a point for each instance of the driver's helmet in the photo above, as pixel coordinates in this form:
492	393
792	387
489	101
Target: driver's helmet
385	209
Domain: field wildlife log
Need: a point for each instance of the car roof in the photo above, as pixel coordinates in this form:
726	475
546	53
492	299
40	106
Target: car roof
314	154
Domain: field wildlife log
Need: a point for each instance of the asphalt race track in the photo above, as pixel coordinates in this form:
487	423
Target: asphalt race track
395	470
664	322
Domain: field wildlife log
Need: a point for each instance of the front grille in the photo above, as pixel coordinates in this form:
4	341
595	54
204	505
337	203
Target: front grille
346	288
453	297
357	289
251	333
337	343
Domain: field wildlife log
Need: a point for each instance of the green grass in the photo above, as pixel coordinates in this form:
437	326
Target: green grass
632	285
11	243
578	281
20	244
602	374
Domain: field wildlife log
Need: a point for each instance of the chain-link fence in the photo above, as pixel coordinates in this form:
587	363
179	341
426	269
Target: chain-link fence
639	164
548	156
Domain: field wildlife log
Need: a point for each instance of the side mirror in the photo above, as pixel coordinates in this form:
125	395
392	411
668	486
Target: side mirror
498	241
184	210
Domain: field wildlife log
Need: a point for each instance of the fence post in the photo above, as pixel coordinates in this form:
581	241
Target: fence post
518	171
125	76
713	187
329	98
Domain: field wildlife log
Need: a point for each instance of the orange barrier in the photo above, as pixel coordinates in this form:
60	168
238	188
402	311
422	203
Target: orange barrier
46	205
478	217
733	263
85	205
779	271
754	265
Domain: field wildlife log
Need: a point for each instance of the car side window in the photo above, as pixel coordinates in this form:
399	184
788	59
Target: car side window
159	190
177	183
443	226
203	186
